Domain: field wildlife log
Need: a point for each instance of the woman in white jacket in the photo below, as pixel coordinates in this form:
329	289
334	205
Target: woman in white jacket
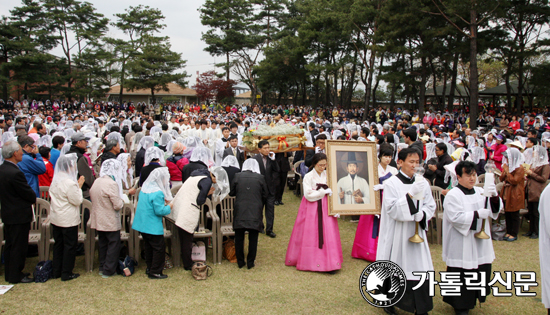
66	195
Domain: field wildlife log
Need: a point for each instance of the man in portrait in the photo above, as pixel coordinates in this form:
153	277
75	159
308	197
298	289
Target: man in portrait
353	189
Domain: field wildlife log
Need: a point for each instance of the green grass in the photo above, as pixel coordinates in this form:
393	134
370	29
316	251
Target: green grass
269	288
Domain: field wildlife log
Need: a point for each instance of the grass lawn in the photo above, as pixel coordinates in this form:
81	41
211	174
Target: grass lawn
269	288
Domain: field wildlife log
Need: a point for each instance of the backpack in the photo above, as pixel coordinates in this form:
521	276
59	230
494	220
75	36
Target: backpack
43	271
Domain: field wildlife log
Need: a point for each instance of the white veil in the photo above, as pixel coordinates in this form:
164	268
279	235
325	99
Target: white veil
65	168
222	183
154	153
231	161
158	180
251	165
540	156
112	167
146	142
126	169
514	159
202	154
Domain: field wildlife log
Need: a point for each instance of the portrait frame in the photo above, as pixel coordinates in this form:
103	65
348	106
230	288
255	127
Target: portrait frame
340	154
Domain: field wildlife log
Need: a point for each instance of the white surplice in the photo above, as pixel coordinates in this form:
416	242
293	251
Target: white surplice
544	245
397	225
460	248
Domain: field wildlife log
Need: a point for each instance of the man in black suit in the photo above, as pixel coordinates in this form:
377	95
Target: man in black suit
234	150
268	168
16	200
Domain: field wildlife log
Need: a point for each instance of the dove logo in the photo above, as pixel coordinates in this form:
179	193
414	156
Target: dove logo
382	283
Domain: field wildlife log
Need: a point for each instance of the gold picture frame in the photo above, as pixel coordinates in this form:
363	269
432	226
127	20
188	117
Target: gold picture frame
359	196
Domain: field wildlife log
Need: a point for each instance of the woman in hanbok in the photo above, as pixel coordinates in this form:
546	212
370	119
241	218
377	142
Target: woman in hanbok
315	241
366	236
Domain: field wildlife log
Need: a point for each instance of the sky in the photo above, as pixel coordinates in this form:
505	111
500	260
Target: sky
183	27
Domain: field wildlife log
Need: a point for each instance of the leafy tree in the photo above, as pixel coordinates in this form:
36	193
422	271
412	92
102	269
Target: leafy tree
25	38
210	87
137	23
229	21
79	26
155	67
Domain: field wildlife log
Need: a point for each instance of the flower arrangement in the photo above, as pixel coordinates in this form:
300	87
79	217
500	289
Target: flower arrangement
281	138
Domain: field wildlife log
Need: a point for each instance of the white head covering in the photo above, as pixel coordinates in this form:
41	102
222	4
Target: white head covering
158	180
478	153
154	153
430	151
540	156
113	167
146	142
68	133
7	136
126	169
471	142
169	147
44	141
232	161
222	183
251	165
514	159
65	168
201	154
164	139
118	137
65	149
155	132
136	141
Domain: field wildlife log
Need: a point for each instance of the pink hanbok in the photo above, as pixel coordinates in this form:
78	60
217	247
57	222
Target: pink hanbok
365	244
315	241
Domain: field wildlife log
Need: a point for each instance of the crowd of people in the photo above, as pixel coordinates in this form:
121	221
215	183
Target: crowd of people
106	152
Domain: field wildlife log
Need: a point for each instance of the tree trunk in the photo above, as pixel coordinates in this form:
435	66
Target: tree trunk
474	88
369	83
377	80
423	76
452	91
227	68
153	96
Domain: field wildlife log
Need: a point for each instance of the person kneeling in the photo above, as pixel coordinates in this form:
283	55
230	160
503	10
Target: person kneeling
152	206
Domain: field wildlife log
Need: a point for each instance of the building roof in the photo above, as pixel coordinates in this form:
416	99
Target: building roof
460	91
501	89
173	89
244	95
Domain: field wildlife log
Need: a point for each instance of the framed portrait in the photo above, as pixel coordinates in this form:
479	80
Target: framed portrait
352	172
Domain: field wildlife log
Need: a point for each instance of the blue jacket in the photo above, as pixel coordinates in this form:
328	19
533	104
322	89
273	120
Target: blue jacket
149	212
54	155
32	168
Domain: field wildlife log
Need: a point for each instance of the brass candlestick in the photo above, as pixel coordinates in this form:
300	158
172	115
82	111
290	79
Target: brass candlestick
416	237
419	176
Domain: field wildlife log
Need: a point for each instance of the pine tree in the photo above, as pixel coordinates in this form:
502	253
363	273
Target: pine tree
155	66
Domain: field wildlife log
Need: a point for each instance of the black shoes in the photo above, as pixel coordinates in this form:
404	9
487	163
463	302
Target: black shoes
26	279
534	236
157	276
390	310
461	312
271	234
276	203
147	271
250	266
527	234
281	203
71	277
